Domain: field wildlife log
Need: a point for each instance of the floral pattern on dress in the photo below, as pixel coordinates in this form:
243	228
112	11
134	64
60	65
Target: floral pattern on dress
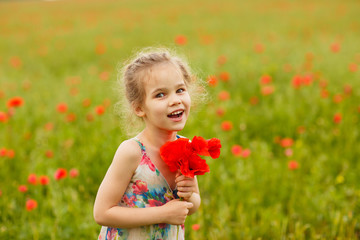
147	188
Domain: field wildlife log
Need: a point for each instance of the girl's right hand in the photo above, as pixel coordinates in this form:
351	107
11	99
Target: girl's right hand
176	211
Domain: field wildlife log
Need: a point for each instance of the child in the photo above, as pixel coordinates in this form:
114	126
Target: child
139	196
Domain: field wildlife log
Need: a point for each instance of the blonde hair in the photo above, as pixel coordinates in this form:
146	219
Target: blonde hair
135	70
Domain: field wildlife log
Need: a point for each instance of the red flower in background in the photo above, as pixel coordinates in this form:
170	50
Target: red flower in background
224	76
74	173
226	125
195	227
15	102
32	179
31	204
22	188
236	150
60	173
100	110
61	107
44	180
3	117
335	47
337	118
212	81
180	40
183	155
286	142
265	79
292	165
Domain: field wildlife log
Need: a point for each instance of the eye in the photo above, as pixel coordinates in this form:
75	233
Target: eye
159	95
180	90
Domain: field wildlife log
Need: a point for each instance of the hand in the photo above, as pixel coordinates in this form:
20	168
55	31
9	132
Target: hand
176	211
186	186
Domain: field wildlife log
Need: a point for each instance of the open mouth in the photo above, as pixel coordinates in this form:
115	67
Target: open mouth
176	114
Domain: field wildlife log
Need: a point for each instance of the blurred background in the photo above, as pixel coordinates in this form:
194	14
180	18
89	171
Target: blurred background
284	98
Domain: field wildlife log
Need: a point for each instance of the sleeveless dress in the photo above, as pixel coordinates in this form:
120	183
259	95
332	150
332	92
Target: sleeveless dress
147	188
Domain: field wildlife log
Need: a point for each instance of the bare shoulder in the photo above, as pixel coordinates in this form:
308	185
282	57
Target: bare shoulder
128	153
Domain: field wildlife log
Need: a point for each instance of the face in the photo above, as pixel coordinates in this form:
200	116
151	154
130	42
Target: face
167	102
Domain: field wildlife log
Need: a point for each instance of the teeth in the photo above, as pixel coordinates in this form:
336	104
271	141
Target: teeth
176	113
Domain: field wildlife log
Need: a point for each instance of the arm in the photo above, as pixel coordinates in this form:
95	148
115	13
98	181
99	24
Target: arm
188	189
106	209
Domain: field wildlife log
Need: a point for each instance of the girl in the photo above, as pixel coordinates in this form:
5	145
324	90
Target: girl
139	196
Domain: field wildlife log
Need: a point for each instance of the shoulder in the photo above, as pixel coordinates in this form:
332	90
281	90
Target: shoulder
128	153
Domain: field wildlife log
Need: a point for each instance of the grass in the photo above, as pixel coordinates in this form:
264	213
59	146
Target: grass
69	51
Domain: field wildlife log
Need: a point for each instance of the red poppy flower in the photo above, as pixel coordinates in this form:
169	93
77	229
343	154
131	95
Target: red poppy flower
259	48
104	76
71	117
74	173
180	40
15	62
224	76
44	180
245	153
195	227
353	67
292	165
297	81
60	173
226	125
183	155
254	100
86	102
265	79
10	153
220	112
212	81
49	154
61	107
31	204
214	146
224	95
286	142
347	90
22	188
3	117
335	47
337	98
100	110
267	90
337	118
3	152
15	102
100	49
32	179
236	150
324	93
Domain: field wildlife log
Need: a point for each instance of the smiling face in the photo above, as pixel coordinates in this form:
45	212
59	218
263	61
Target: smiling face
166	105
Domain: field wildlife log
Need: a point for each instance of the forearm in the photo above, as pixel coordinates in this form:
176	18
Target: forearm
196	201
123	217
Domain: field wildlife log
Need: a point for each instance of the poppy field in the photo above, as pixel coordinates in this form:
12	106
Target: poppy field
283	96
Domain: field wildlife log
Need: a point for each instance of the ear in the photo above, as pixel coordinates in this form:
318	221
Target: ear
138	109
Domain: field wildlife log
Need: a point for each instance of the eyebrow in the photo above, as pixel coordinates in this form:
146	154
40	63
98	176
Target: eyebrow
164	89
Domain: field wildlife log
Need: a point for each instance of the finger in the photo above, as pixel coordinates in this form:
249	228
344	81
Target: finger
185	195
189	205
185	182
185	189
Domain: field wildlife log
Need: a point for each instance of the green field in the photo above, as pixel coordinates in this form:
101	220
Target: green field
284	86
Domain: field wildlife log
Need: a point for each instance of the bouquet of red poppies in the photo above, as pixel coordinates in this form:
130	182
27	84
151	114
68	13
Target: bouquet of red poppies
183	154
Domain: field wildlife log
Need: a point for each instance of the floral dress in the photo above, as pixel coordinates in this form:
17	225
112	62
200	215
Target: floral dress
147	188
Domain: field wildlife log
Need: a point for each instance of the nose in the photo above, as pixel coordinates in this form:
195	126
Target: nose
174	100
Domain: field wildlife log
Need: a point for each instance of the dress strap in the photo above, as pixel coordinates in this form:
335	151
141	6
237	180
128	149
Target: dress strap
140	144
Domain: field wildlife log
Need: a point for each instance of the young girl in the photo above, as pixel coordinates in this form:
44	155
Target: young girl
139	196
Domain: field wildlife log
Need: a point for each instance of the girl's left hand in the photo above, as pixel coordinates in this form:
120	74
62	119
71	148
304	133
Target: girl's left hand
186	186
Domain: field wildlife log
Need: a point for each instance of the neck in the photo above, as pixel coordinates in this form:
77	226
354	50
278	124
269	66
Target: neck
155	139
